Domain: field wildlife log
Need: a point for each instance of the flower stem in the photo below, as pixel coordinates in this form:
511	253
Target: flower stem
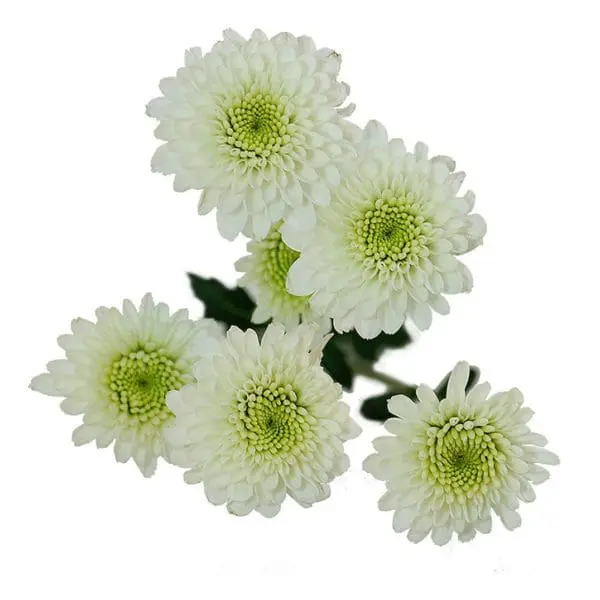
398	387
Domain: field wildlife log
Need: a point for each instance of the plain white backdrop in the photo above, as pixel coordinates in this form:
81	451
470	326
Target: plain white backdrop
508	89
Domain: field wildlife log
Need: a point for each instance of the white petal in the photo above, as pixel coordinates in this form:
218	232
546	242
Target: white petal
240	491
215	494
84	434
300	280
403	519
458	380
233	36
467	534
105	438
416	535
332	175
402	406
230	224
421	315
145	460
483	525
537	474
375	135
208	200
303	217
421	150
269	510
73	405
261	224
526	492
241	509
293	237
428	398
478	394
320	193
441	535
372	465
510	518
439	304
45	384
123	449
545	457
446	160
193	57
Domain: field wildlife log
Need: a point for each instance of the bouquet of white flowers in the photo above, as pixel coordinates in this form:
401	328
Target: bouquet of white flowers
351	235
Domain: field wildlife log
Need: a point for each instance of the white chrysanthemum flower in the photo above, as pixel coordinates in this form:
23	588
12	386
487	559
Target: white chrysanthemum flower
386	246
117	373
263	421
256	124
450	463
265	273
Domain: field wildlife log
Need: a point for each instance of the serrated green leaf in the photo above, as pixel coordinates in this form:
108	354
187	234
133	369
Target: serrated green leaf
229	306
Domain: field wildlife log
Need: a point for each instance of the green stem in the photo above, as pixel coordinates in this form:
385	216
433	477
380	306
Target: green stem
399	387
364	367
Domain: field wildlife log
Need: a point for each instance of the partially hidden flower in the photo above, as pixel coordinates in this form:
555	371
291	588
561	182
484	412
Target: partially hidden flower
257	125
262	421
118	371
265	271
385	248
450	463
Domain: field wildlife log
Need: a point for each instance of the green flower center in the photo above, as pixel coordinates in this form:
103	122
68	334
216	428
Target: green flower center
392	234
139	382
462	456
258	125
270	418
276	258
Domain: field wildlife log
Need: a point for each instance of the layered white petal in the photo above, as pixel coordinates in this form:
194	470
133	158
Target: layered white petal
388	239
268	422
118	372
265	271
449	464
259	122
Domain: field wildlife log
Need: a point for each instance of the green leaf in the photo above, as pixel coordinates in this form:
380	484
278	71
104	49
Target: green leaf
229	306
336	365
373	349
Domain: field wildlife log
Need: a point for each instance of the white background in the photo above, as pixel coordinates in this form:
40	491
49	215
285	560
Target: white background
508	89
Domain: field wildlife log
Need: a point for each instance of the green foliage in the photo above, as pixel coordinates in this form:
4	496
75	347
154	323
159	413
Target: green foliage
229	306
335	362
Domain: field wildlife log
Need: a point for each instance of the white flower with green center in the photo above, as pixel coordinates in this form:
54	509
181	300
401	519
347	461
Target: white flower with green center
118	371
386	246
262	421
265	273
449	464
257	125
